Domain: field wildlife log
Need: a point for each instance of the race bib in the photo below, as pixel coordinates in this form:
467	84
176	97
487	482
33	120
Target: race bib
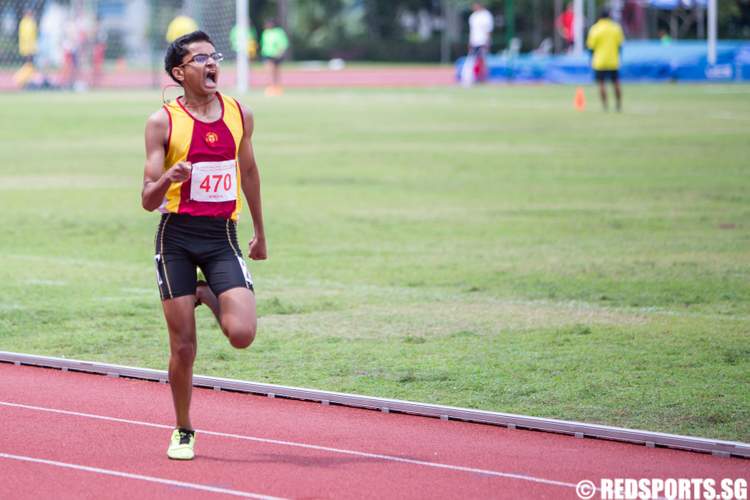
214	181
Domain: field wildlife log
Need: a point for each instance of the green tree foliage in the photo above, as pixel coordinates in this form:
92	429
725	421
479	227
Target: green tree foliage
375	29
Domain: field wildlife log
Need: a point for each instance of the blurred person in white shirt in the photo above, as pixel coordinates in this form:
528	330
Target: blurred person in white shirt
480	30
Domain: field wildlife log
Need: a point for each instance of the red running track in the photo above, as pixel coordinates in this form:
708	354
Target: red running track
75	435
292	77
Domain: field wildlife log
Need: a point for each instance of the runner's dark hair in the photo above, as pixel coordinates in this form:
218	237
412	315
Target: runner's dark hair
178	49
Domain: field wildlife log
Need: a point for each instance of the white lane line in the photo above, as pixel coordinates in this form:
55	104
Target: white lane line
376	456
127	475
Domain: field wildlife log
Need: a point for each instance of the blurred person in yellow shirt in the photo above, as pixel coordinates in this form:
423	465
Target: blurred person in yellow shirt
27	37
605	40
27	48
180	25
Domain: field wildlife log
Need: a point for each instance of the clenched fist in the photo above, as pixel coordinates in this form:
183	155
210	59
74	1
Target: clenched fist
180	172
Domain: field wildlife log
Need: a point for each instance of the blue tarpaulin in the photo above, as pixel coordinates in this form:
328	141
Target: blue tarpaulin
674	4
646	61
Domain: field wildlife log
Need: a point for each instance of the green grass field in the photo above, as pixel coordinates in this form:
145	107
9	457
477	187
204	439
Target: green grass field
489	248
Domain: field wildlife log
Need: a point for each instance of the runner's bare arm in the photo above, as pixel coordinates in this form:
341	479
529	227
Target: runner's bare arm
251	187
155	181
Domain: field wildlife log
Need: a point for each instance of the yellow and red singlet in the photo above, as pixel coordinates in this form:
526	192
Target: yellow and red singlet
214	188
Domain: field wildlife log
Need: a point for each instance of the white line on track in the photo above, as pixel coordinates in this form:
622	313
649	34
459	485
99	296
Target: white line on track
377	456
127	475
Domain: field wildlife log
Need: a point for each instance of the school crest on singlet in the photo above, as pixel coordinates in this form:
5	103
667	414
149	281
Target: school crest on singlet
214	188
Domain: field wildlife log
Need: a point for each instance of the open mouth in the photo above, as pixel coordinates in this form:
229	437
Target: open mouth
211	77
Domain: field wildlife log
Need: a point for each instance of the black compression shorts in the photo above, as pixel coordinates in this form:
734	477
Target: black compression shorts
607	74
186	242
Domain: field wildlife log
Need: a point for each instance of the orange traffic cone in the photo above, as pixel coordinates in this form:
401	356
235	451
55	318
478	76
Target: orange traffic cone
580	100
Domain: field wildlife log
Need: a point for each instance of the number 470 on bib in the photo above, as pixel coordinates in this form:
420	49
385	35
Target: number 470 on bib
224	181
214	181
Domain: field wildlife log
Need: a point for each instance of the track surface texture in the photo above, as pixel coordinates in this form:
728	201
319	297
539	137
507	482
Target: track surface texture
75	435
293	77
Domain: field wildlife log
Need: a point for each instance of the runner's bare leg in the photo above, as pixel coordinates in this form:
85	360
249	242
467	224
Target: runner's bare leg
206	296
235	311
618	95
180	316
238	317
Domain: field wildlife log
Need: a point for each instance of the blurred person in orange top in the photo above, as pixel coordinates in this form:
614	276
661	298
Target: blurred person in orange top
98	53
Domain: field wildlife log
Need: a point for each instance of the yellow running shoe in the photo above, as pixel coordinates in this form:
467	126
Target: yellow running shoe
181	445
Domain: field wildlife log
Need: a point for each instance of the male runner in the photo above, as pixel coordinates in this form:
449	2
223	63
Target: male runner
199	158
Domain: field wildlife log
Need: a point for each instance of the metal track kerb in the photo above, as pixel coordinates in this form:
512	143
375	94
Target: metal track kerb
509	420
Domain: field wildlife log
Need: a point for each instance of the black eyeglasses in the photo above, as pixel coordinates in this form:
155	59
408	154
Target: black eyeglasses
203	58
